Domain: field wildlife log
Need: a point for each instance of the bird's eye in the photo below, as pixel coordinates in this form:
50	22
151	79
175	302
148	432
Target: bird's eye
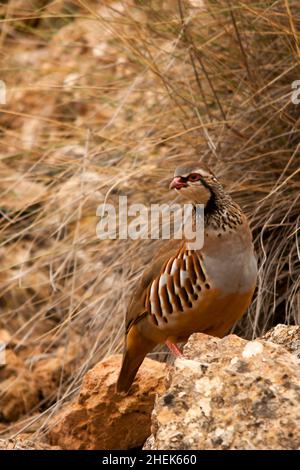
194	177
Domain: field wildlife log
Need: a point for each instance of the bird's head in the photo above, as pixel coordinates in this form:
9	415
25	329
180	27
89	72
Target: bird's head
194	182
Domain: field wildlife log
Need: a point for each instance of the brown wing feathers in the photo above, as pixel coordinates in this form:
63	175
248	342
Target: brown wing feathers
177	285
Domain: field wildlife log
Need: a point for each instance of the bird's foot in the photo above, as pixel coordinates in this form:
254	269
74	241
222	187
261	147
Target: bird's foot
174	349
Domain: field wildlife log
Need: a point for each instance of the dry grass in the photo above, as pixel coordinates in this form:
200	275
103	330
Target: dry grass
106	100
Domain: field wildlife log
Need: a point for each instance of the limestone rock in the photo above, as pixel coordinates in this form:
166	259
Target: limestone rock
18	388
229	394
22	443
5	336
286	335
48	371
102	419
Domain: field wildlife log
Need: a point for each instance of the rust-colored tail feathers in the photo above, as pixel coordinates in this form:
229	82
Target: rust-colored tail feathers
136	349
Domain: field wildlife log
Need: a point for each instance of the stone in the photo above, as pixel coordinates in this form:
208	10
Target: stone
287	336
229	394
102	419
24	443
48	371
18	388
5	336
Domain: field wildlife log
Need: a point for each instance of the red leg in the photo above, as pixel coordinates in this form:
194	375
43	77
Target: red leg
174	349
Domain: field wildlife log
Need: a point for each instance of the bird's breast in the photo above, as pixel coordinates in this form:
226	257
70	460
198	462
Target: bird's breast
232	265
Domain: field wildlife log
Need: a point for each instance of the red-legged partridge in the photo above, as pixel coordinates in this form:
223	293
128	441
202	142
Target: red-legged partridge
186	291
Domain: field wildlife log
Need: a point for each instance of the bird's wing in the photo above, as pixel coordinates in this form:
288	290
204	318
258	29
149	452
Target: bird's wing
136	309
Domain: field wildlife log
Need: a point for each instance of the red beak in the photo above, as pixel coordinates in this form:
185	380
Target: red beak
178	183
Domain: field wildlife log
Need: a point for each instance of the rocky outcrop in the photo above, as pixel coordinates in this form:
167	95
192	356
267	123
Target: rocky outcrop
222	394
102	419
230	394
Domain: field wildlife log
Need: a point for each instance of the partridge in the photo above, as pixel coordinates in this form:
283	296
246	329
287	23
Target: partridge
186	291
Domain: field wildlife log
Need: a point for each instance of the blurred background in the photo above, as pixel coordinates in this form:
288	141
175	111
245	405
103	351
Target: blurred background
106	98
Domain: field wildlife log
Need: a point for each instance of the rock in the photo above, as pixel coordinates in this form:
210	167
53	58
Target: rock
22	443
48	370
102	419
18	388
287	336
19	192
5	336
4	340
229	394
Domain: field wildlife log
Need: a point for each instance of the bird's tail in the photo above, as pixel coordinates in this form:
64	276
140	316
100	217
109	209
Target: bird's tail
136	349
